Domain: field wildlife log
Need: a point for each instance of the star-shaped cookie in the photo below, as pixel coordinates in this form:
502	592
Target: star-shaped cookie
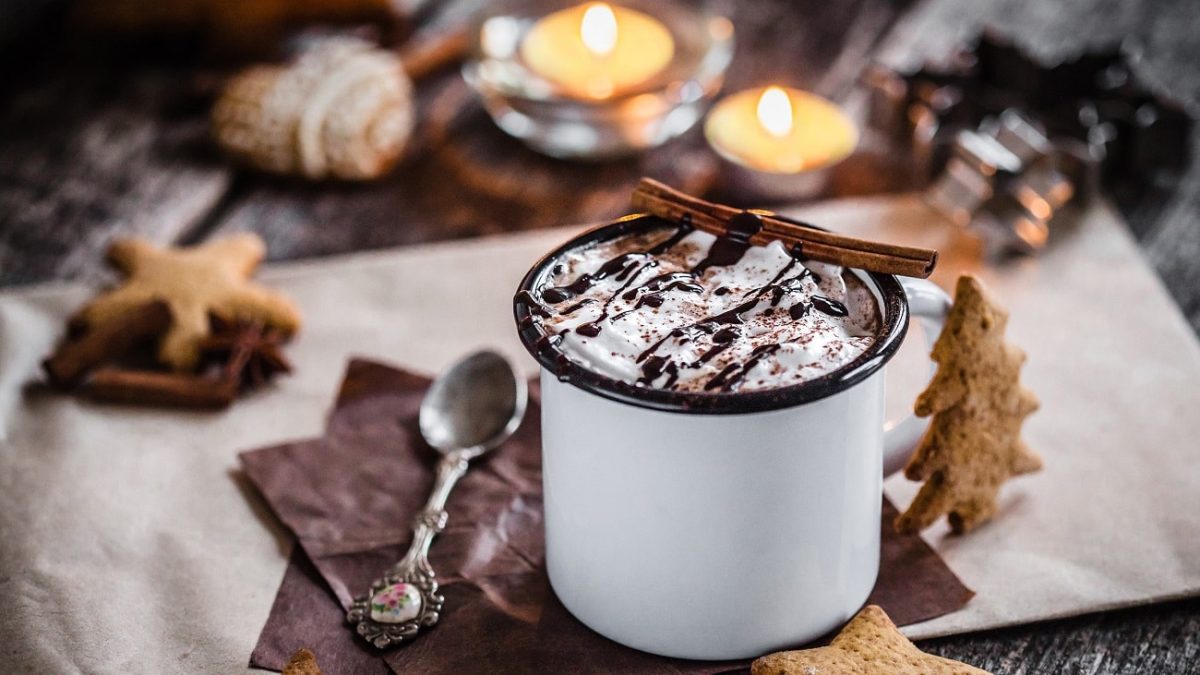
194	282
869	645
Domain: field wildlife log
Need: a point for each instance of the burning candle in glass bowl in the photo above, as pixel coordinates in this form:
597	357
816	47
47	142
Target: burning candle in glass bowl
597	79
597	50
779	142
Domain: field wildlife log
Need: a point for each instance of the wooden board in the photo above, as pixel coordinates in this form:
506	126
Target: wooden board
91	152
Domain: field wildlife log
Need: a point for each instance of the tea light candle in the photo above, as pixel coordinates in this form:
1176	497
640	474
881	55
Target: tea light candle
597	51
780	130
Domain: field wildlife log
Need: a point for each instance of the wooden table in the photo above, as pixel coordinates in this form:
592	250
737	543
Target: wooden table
96	144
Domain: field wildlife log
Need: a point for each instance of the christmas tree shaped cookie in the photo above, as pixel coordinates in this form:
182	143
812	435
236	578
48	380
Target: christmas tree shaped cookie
973	444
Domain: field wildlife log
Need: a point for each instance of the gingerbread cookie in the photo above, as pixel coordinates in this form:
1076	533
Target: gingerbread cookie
194	282
973	444
869	645
303	662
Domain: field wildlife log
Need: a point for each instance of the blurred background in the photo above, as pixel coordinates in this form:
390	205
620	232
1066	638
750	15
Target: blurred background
105	122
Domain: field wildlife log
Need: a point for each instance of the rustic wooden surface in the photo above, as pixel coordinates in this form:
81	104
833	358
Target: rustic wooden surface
95	143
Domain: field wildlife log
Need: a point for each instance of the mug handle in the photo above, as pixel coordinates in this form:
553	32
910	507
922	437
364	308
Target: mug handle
929	304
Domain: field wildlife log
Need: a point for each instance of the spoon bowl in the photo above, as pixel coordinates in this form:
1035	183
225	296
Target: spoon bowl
474	406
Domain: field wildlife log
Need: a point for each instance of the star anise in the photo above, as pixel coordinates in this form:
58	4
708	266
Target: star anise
250	353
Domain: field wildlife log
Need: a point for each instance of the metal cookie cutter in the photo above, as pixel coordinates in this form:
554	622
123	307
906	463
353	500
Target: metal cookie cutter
1007	182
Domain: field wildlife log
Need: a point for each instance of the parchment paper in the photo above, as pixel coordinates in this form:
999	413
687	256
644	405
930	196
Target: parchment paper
127	546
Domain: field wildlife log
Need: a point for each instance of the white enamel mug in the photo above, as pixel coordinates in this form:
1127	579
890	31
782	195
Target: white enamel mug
719	526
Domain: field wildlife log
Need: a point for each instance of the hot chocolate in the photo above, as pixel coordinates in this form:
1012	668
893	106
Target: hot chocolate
678	309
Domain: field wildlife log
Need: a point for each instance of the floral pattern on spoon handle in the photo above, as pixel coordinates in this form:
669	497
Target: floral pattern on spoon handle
405	599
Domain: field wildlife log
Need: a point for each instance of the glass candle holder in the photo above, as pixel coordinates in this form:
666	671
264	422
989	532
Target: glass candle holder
597	80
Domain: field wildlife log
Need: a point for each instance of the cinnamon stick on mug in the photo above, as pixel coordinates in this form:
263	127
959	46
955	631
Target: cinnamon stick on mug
762	227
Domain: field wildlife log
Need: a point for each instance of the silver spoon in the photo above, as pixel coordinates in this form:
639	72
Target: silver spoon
468	410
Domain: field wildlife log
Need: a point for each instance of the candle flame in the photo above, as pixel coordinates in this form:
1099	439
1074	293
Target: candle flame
775	112
598	29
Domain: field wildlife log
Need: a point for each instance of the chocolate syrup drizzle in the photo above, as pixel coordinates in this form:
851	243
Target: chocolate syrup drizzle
724	328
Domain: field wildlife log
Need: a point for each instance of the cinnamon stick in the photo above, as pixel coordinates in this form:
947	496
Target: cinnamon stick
144	387
762	227
106	341
430	54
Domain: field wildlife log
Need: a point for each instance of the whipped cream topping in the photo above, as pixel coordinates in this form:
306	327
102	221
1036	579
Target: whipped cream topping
679	309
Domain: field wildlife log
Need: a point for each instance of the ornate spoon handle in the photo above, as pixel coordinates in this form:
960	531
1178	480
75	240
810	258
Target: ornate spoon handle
405	599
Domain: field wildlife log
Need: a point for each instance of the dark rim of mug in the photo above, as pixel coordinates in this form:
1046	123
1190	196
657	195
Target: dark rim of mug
895	319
